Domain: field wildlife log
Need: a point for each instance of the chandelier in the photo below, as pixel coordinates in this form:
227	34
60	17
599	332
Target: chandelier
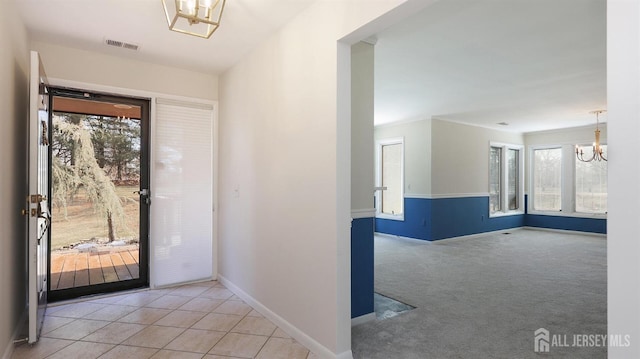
194	17
597	148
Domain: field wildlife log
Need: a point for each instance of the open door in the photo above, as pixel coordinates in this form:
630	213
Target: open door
99	193
38	208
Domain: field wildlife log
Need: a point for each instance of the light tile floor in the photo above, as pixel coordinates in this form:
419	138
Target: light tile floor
202	320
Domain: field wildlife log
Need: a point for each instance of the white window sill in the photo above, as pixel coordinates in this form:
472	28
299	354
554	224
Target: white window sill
505	214
390	216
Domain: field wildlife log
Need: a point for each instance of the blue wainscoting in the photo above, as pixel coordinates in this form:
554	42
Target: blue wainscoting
439	218
416	224
454	217
361	267
592	225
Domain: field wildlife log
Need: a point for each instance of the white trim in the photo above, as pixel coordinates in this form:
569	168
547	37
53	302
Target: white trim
363	213
567	183
459	195
214	179
400	122
363	319
391	217
504	180
310	343
446	195
600	235
417	195
181	103
378	177
530	191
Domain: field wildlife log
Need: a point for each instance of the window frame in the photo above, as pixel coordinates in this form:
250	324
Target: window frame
504	179
378	177
563	178
568	184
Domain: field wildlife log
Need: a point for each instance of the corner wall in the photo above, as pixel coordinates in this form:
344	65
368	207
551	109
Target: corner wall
446	180
14	101
362	175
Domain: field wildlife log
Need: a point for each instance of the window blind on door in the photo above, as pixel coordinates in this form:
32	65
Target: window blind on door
182	193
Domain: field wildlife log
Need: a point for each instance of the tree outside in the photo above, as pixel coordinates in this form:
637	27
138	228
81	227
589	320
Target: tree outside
95	171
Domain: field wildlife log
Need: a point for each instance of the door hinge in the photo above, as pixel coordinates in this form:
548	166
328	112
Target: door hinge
37	198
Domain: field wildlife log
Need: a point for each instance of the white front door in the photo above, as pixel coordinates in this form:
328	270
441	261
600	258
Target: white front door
38	209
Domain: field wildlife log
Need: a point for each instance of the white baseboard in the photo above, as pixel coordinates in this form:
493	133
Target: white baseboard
363	319
8	352
318	349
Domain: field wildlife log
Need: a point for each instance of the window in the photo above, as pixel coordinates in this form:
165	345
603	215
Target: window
505	179
591	185
390	177
561	184
547	179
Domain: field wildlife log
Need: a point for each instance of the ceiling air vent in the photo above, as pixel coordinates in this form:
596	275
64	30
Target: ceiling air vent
122	44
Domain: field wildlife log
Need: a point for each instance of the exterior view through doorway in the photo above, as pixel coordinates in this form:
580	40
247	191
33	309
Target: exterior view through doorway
100	193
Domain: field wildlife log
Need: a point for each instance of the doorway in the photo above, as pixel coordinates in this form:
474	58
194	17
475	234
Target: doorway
100	193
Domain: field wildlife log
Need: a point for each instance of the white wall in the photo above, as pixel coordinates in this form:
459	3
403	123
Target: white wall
362	104
417	154
99	69
460	157
14	74
284	174
623	225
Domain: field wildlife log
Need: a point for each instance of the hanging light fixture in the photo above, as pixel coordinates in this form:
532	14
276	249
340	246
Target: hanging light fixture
194	17
597	148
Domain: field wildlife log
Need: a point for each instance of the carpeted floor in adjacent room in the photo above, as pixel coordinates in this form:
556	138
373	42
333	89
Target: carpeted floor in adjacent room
483	297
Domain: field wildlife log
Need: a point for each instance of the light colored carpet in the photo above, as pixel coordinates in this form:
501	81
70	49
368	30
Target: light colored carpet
484	297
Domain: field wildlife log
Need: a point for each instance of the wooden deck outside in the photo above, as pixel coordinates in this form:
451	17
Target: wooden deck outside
70	269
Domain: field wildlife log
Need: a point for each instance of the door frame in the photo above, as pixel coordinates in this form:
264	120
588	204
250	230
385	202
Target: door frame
153	95
145	182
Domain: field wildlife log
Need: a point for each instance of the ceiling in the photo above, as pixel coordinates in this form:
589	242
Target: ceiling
534	64
85	24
